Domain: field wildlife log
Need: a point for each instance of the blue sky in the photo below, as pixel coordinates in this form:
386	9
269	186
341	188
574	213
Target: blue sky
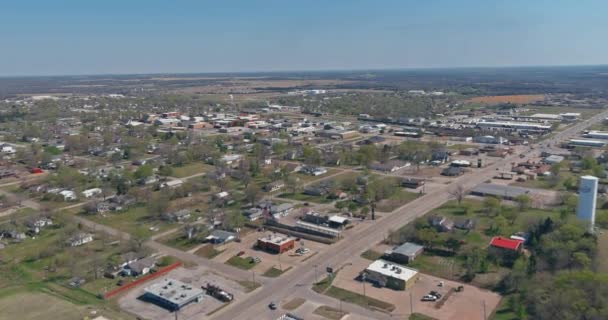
187	36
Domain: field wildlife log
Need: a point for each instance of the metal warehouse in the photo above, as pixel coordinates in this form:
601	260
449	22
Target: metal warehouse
172	294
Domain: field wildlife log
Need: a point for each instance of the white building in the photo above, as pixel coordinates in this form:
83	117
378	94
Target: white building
91	192
587	196
596	134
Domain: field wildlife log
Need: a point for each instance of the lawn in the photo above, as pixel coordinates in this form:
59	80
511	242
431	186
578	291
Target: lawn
135	221
371	255
39	307
179	241
602	253
191	169
274	272
241	263
248	285
293	303
330	313
400	198
364	301
208	251
305	198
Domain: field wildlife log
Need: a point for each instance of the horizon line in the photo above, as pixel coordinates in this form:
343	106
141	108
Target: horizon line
303	71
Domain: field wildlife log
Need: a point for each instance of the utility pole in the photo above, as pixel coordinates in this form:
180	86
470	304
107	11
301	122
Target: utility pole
316	280
253	276
411	304
484	310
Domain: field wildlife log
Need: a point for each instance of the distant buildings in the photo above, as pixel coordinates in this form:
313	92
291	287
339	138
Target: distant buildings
587	197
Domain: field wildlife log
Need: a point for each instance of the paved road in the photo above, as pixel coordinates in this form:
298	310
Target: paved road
299	280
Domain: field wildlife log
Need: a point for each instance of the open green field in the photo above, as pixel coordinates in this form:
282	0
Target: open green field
305	197
191	169
135	221
241	263
400	198
352	297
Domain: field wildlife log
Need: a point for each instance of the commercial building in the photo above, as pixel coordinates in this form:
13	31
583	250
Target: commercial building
511	125
596	134
319	229
404	253
586	143
387	274
587	197
172	294
499	191
276	243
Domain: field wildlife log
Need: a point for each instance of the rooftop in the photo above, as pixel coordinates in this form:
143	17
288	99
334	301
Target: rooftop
499	190
174	291
392	270
506	243
407	249
277	239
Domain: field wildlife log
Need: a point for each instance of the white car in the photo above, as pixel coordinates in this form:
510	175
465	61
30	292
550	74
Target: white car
429	297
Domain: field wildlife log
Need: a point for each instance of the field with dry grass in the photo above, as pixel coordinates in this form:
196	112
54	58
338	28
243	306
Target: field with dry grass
516	99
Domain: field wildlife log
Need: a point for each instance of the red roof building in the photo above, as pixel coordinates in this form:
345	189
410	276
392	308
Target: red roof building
506	243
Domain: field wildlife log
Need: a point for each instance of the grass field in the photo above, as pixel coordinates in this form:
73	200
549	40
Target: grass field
191	169
330	313
135	221
39	307
293	303
352	297
516	99
371	255
304	197
208	251
274	272
241	263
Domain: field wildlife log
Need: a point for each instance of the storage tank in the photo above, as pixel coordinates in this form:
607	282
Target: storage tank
587	196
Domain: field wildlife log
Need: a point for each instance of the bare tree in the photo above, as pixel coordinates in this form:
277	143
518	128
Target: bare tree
458	193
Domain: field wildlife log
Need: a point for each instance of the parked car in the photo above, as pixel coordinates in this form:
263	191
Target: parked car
240	253
429	297
272	306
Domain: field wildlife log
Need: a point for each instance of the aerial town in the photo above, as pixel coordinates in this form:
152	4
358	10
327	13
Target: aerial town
303	160
125	206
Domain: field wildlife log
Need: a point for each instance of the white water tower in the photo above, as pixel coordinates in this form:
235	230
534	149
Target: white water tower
587	196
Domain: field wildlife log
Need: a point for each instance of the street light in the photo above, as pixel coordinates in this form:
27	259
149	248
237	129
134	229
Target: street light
316	280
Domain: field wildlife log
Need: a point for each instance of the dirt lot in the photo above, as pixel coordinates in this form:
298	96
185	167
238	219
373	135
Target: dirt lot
458	305
517	99
197	277
268	260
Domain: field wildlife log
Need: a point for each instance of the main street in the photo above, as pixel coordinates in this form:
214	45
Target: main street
298	280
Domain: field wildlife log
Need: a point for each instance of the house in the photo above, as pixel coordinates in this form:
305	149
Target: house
337	222
440	156
139	267
76	282
281	210
337	194
442	224
80	239
8	149
389	166
253	213
452	171
273	186
178	216
128	258
91	192
68	195
465	224
35	225
313	171
506	244
220	236
13	234
316	191
412	183
172	183
553	159
292	167
221	195
404	253
6	173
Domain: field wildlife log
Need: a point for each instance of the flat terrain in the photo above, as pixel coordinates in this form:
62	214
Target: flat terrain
516	99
